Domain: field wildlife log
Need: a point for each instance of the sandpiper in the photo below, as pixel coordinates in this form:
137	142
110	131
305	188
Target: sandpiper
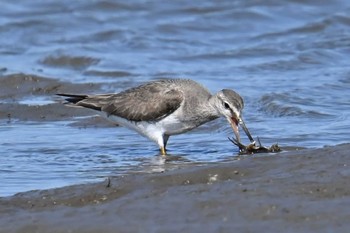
162	108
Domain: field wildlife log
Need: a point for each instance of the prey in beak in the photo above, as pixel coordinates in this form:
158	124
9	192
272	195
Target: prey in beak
234	122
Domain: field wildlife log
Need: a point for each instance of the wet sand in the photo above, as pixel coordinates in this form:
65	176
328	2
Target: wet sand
298	191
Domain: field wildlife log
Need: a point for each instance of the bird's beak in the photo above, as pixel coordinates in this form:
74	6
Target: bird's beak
241	122
234	124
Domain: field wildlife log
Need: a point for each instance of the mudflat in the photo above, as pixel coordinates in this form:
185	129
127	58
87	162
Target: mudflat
297	191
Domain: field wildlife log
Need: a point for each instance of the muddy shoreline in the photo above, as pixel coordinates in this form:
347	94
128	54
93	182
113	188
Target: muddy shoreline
299	191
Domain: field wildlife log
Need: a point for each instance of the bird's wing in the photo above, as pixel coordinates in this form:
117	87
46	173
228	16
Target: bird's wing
148	102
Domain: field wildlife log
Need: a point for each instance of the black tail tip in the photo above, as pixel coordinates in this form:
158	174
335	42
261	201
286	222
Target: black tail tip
72	98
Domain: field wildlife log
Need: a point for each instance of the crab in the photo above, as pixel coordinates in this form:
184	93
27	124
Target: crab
254	148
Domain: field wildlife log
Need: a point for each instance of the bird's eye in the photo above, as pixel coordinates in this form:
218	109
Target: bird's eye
226	105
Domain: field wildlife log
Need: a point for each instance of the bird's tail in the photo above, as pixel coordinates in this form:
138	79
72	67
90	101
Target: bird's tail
83	101
73	98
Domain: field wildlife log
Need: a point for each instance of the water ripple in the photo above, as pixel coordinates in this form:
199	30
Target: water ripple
285	105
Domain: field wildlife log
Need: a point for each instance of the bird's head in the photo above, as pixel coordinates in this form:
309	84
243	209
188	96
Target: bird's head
230	105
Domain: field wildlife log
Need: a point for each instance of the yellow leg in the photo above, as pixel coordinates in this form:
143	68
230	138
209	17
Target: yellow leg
162	151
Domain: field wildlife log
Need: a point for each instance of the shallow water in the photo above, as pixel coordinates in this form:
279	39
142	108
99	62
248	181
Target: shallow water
289	60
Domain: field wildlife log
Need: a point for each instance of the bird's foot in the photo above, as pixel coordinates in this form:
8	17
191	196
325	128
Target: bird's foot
162	151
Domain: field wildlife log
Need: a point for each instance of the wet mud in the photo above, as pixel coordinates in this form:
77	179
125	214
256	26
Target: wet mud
298	191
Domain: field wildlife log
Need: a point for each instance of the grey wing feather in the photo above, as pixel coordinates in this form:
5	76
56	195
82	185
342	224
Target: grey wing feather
148	102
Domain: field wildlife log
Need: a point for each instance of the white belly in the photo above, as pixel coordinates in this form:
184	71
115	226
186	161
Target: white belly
170	125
